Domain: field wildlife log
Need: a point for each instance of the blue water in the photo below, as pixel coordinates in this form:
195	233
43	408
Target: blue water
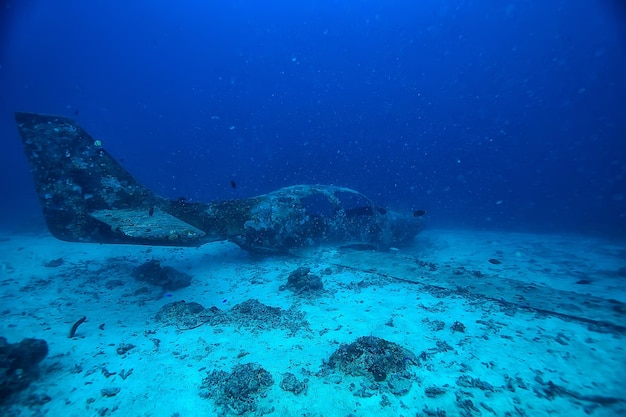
497	115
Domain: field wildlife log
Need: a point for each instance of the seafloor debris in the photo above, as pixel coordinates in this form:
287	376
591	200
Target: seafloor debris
291	383
433	392
434	325
185	315
250	314
550	390
378	360
54	263
427	412
238	392
19	364
303	281
110	392
165	277
457	326
467	381
258	316
124	348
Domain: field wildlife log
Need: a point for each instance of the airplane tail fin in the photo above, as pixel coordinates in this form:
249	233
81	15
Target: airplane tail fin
86	195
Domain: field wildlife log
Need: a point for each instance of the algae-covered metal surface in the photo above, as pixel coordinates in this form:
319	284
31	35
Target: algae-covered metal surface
87	196
157	226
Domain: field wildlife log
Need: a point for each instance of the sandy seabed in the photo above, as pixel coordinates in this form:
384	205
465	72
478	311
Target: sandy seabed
502	324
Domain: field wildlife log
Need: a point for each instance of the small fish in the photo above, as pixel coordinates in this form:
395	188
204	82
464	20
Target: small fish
419	213
494	261
233	184
182	200
151	211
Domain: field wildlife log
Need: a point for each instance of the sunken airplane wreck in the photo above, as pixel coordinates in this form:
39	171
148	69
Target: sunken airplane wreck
87	196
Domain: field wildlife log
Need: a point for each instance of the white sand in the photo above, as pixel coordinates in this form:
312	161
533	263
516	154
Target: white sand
168	365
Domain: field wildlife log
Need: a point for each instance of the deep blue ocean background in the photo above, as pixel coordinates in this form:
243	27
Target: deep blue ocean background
488	114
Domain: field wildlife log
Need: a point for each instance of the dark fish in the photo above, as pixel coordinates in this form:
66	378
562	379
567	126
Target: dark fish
233	184
151	211
494	261
583	282
182	200
419	213
76	112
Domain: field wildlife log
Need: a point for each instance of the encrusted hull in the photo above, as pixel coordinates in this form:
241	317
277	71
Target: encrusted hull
87	196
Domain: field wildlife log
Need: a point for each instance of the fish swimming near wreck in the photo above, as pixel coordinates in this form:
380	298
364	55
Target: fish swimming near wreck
87	196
